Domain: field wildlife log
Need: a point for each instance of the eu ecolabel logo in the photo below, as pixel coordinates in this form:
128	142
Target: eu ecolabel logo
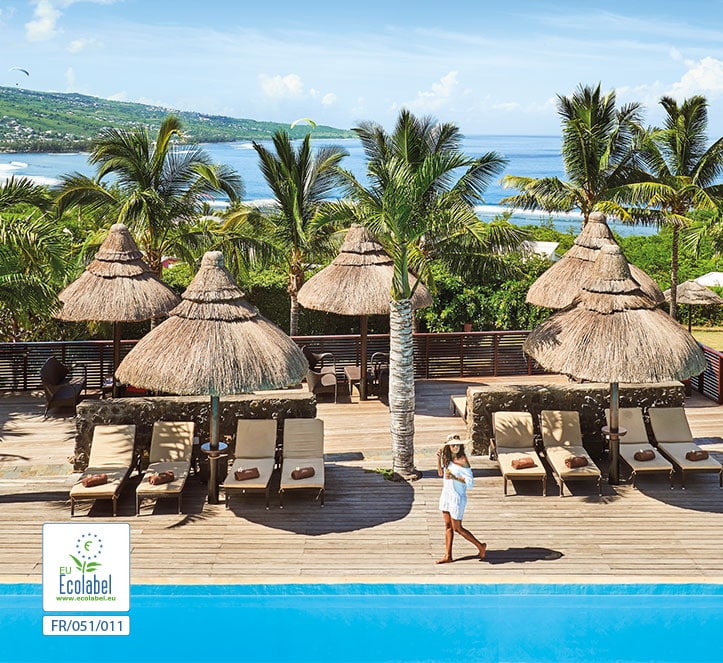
86	567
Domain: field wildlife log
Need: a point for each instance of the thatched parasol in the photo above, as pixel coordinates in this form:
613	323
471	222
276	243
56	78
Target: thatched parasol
560	284
117	286
358	282
614	333
214	342
694	294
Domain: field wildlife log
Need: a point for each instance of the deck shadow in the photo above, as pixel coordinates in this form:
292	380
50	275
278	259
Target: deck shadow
520	555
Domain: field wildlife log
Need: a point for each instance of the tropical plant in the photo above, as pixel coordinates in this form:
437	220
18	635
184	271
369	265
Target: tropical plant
301	182
158	189
682	177
33	251
598	153
419	204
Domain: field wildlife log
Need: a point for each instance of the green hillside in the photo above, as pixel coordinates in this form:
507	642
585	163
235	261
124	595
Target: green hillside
33	121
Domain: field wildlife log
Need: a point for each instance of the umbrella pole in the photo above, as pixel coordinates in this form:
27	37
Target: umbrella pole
614	470
213	453
690	315
363	367
116	356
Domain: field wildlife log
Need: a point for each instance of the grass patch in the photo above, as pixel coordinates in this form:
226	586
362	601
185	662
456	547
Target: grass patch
710	336
386	472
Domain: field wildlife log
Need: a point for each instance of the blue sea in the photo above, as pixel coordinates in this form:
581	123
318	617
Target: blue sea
530	156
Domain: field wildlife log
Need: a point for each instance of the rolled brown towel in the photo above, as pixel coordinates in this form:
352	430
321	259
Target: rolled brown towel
698	454
243	475
94	480
575	461
161	477
523	463
302	473
644	454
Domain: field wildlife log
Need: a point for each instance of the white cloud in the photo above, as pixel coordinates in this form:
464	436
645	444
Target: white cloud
44	23
675	54
119	96
438	96
70	78
704	77
506	106
328	99
280	87
78	45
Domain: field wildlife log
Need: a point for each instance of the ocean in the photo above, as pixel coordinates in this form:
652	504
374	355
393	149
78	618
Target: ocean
531	156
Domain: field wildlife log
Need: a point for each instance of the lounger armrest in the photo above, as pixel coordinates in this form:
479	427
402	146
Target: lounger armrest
493	448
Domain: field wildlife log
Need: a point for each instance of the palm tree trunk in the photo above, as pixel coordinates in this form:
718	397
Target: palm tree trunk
674	275
294	315
401	388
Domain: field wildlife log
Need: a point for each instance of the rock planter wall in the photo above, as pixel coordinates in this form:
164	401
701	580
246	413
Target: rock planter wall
589	399
144	411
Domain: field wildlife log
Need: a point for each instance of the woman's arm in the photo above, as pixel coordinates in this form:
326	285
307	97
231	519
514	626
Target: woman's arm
440	469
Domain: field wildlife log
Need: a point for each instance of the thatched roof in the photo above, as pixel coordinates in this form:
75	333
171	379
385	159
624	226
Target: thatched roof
693	293
358	281
214	342
613	332
558	286
117	286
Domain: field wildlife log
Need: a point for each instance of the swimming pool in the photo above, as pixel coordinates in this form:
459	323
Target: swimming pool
384	622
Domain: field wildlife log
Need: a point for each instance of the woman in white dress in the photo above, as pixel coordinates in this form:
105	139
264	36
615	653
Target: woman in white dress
452	464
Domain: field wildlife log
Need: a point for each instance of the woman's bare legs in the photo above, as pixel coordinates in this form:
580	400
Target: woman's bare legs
448	538
465	533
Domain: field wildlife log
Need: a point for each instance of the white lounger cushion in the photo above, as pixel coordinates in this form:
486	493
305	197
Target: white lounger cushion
265	467
657	464
676	452
290	464
505	456
556	456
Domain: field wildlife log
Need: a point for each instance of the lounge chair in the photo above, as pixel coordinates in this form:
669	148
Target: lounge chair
636	439
514	439
458	405
255	448
112	454
63	385
562	439
171	450
303	447
672	433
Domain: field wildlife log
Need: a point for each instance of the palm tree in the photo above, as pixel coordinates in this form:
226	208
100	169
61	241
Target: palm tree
682	176
33	251
159	186
598	154
301	182
419	201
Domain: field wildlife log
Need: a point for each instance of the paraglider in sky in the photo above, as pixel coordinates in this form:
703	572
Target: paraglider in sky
309	121
25	71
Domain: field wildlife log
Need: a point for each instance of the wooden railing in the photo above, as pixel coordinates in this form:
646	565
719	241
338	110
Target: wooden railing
459	354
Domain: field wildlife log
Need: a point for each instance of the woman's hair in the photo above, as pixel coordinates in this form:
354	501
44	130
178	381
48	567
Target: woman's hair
447	454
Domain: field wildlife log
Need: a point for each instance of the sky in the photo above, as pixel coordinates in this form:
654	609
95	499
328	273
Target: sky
490	68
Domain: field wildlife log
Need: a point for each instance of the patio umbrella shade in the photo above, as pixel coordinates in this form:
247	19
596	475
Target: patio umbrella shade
613	332
216	343
693	293
117	286
560	284
358	282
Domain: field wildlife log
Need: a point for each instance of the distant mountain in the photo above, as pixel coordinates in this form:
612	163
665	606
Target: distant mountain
33	121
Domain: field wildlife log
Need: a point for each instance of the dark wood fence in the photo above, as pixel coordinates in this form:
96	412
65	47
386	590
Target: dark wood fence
459	354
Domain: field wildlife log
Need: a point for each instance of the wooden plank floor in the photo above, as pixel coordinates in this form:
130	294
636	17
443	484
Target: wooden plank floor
372	530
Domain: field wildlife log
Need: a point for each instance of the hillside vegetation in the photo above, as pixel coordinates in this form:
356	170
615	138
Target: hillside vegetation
33	121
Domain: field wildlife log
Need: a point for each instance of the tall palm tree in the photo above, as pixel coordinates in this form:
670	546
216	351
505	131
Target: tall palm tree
419	200
683	176
301	181
159	186
33	251
598	154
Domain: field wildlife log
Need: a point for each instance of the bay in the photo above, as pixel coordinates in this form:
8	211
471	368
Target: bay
530	156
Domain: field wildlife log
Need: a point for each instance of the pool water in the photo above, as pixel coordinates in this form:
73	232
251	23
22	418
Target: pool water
365	623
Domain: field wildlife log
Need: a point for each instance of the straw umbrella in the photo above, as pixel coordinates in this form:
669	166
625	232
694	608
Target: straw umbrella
214	342
117	286
560	284
694	294
614	333
357	282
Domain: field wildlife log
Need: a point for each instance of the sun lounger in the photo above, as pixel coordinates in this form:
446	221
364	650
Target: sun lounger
672	433
514	440
636	439
562	439
255	448
303	447
171	449
112	454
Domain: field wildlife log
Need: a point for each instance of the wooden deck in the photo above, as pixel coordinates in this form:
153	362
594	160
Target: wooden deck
373	530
